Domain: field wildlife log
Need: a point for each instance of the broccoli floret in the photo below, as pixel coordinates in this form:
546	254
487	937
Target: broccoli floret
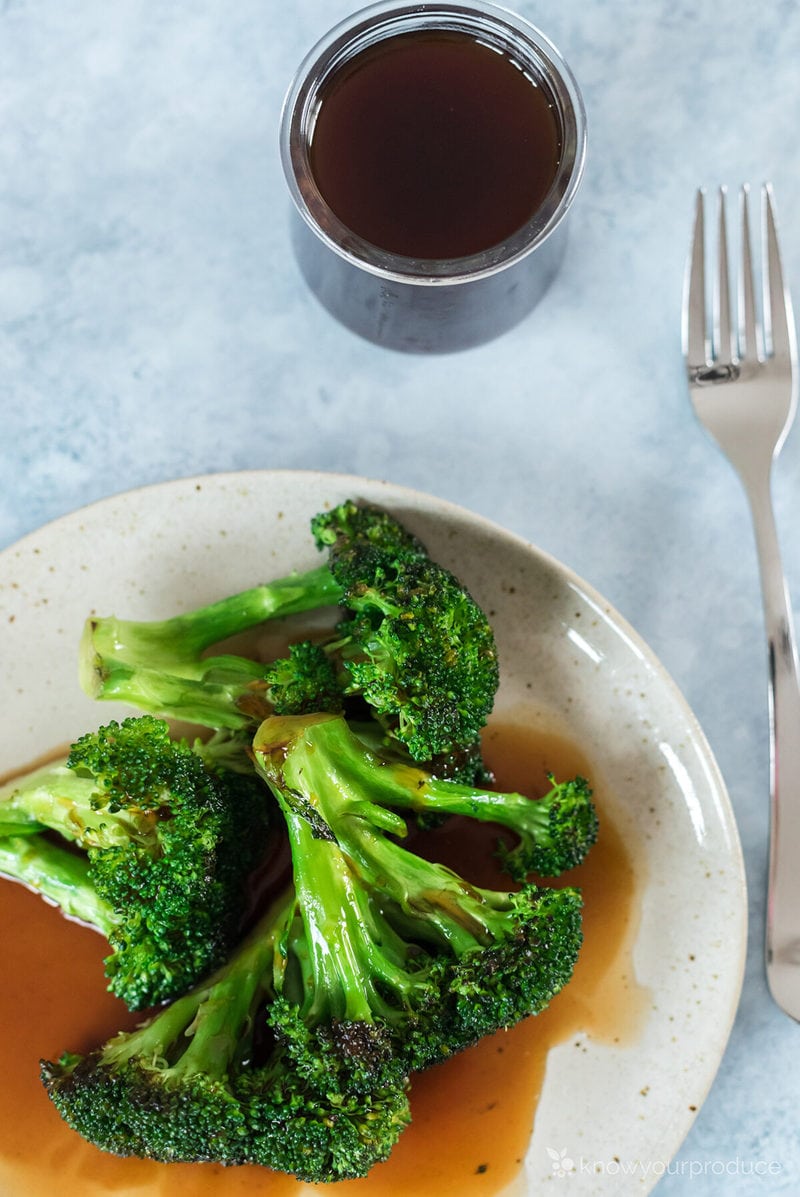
162	666
551	834
190	1085
555	831
352	523
304	682
396	942
464	764
171	836
417	648
414	646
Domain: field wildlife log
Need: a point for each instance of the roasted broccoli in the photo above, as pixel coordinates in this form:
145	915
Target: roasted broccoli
169	836
304	682
399	943
413	645
549	834
374	964
161	666
212	1077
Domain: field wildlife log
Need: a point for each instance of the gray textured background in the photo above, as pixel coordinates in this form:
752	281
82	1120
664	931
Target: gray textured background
153	325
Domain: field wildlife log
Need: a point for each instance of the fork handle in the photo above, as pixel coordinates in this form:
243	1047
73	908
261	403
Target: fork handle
783	889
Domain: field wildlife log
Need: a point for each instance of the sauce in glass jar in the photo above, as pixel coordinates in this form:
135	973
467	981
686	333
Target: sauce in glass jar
434	145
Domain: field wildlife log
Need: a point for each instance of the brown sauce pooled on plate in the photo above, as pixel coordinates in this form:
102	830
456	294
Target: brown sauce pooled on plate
472	1116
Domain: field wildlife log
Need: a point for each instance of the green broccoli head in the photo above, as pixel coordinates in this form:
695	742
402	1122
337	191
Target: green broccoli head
515	976
304	682
417	648
134	1109
264	1116
373	963
320	1137
352	524
171	843
414	644
554	832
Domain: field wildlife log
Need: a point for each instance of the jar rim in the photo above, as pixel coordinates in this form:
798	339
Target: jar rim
489	23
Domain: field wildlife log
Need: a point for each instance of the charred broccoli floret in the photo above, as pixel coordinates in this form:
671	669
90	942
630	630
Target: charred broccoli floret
196	1084
304	682
171	834
404	945
413	645
549	835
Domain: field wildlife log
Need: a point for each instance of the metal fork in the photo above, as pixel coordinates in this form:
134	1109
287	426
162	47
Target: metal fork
743	384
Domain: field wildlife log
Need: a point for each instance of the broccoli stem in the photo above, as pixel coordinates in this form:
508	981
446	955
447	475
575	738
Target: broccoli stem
60	876
180	639
344	933
473	959
412	789
402	785
159	666
231	706
210	1024
224	1017
555	831
224	752
336	771
455	913
62	799
558	828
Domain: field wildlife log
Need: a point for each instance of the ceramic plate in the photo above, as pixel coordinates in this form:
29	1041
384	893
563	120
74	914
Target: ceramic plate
567	658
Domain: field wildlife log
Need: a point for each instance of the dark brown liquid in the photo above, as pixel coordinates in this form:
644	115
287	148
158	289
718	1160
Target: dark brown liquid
433	145
472	1117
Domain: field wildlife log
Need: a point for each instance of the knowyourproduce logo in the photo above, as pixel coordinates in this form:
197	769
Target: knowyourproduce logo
563	1165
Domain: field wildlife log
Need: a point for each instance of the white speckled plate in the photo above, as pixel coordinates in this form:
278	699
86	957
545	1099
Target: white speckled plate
611	1115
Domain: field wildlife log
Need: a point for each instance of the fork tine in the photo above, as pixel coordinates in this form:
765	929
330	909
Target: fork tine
779	331
723	345
695	345
747	301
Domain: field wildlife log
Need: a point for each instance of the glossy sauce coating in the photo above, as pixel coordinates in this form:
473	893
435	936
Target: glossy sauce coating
472	1116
